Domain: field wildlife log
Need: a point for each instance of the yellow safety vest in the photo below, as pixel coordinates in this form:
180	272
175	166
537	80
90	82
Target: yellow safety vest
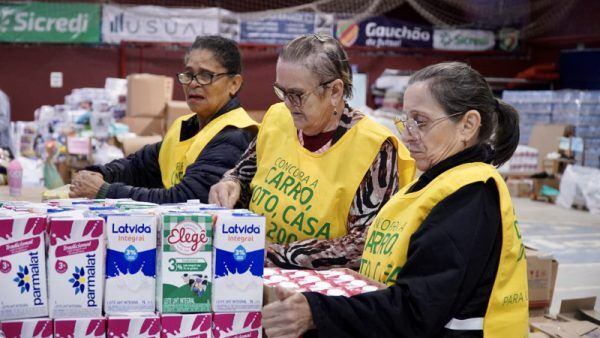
175	156
307	195
388	238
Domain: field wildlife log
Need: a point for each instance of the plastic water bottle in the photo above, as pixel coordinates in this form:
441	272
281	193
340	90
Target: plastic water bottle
15	177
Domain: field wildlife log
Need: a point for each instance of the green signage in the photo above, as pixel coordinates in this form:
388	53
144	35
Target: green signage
49	22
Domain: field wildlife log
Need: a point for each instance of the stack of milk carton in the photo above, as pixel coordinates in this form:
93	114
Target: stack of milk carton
129	301
239	251
23	276
76	275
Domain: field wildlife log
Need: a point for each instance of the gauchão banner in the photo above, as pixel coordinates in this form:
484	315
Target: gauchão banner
382	32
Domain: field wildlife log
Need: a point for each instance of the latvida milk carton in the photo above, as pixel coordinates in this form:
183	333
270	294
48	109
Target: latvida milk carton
239	244
75	267
184	263
28	328
22	267
196	325
80	328
130	263
237	324
139	326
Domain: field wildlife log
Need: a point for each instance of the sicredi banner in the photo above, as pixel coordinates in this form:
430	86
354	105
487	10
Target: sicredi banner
158	24
383	32
50	22
463	39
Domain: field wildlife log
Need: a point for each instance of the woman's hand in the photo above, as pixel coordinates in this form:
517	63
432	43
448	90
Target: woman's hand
225	194
86	184
288	317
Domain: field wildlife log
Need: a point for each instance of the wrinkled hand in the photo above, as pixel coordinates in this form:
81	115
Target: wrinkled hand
225	194
86	184
289	317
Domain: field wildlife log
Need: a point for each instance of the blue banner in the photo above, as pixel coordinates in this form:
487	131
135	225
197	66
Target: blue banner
382	32
280	29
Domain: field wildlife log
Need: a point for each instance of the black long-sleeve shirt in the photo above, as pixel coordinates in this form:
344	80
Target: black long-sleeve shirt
138	176
449	273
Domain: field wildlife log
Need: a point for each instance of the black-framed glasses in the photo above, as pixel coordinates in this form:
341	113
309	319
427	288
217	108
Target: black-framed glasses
297	99
203	78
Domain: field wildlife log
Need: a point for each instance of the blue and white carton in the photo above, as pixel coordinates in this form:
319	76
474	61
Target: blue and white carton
130	263
238	259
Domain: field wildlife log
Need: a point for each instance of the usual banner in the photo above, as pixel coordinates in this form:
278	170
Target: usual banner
463	39
158	24
49	22
383	32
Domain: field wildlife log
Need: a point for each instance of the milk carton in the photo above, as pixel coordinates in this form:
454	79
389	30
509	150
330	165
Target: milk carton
80	328
23	267
237	324
28	328
184	263
239	244
76	267
139	326
198	325
130	263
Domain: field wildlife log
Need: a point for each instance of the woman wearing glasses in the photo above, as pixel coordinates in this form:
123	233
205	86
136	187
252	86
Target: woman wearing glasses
454	261
197	149
319	171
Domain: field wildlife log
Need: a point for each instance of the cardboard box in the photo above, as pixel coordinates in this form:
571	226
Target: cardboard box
546	138
519	187
147	94
570	321
176	109
133	144
541	277
145	126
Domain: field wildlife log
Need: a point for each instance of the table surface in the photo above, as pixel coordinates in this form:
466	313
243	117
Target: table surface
31	194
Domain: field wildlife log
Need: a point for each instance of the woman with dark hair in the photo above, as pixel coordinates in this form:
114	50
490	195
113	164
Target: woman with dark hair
454	259
197	149
319	171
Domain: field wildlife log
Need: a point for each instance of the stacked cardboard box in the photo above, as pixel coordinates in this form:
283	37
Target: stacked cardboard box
541	277
147	97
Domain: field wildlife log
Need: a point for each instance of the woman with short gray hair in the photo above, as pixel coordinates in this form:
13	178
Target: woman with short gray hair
318	170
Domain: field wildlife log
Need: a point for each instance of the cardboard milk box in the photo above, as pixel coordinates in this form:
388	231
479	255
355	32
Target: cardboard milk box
80	328
239	245
76	267
23	267
237	324
139	326
28	328
130	263
196	325
184	263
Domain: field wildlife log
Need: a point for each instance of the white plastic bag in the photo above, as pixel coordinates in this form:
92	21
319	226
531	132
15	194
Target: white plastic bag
580	185
106	153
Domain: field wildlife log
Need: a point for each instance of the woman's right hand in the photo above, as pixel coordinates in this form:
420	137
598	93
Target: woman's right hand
225	194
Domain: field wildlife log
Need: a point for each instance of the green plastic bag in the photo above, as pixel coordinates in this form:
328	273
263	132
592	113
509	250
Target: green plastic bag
52	179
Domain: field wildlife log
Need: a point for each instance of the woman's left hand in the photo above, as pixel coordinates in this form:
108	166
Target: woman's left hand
86	184
288	317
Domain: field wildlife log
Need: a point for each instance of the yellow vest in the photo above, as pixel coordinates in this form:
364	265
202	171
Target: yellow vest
385	251
306	195
175	156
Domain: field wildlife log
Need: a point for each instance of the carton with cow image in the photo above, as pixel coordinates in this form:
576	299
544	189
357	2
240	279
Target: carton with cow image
76	266
23	267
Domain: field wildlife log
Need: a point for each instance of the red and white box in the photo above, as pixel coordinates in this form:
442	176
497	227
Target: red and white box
237	325
28	328
80	328
142	326
23	267
76	267
186	325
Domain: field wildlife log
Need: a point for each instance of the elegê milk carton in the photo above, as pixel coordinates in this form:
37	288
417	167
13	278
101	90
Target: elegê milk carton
75	267
28	328
184	263
130	263
237	324
80	328
23	267
139	326
239	245
196	325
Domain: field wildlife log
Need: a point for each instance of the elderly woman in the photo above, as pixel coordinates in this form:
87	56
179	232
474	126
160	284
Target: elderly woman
319	171
197	149
454	261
